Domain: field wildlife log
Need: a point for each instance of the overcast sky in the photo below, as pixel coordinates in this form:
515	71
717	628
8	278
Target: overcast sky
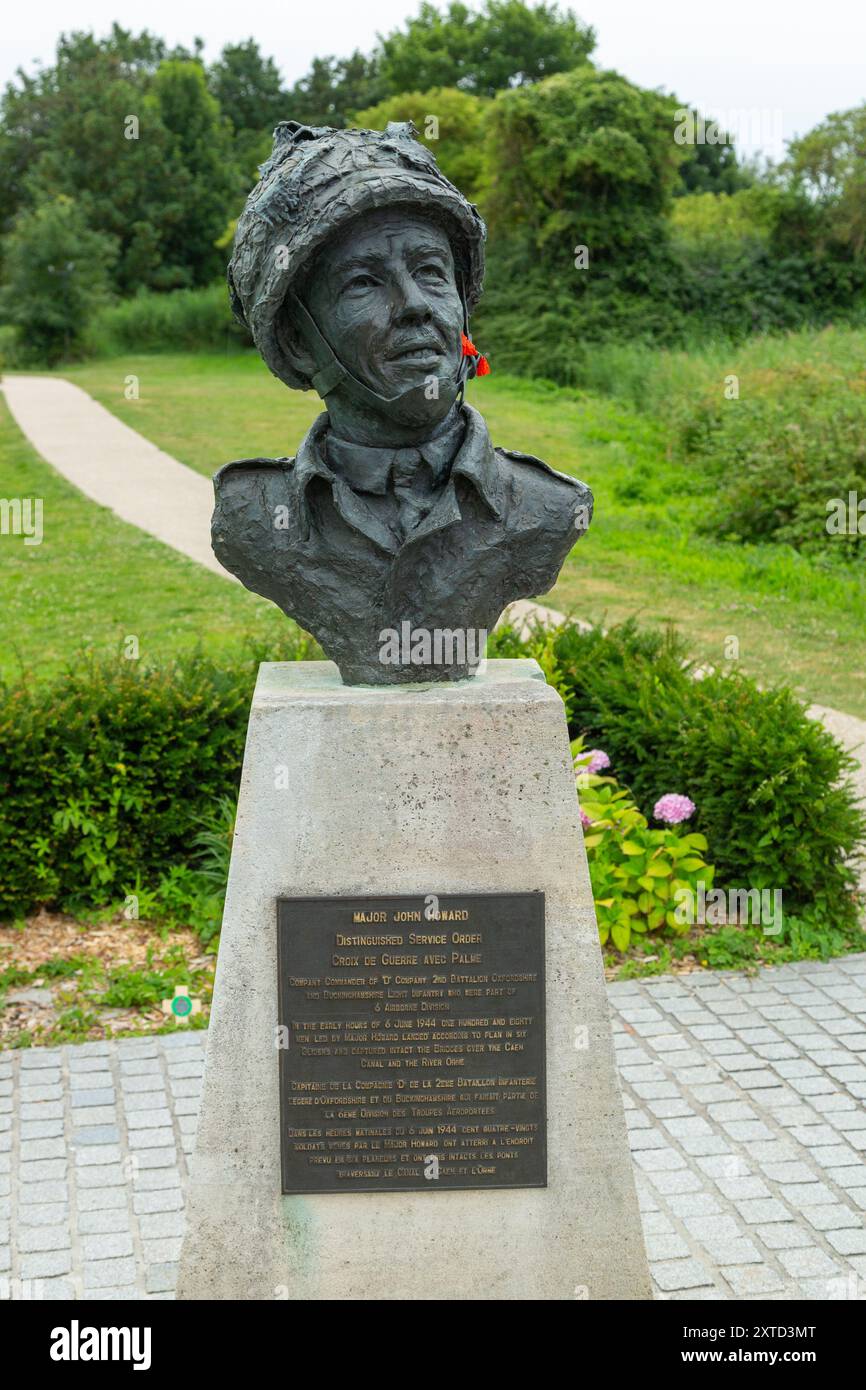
789	62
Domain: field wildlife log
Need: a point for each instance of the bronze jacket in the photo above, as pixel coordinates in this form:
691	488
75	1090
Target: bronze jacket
498	527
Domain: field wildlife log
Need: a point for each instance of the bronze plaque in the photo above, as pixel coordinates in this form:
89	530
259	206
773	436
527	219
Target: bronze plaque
412	1052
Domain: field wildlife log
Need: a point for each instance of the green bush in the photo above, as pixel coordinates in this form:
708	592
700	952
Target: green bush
638	873
779	456
121	781
536	323
770	784
55	276
195	320
105	777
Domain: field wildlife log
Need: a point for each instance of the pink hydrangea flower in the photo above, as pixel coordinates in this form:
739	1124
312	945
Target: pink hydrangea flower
673	808
584	819
598	760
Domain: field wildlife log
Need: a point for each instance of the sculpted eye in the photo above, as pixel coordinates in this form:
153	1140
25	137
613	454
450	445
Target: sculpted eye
430	268
360	282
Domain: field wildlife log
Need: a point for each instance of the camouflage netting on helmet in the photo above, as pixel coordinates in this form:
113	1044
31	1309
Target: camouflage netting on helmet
315	181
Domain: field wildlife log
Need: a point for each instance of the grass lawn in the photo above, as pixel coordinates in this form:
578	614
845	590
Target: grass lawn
95	580
793	620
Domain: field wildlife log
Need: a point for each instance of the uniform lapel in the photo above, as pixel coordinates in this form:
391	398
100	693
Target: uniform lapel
352	507
358	513
475	461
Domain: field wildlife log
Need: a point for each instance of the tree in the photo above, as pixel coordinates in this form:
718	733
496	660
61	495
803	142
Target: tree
710	166
583	155
38	111
449	122
114	180
57	271
334	89
582	170
829	164
248	87
250	93
504	44
199	182
67	107
102	127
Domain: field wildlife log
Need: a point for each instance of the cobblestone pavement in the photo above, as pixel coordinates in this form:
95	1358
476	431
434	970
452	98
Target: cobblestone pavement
744	1098
93	1145
745	1103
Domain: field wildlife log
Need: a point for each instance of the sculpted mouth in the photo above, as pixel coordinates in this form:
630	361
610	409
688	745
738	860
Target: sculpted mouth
416	352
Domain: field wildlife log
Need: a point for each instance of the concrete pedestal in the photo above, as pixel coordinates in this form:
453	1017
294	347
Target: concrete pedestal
463	788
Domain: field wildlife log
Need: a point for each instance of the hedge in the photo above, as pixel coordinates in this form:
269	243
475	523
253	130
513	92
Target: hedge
106	773
771	785
106	776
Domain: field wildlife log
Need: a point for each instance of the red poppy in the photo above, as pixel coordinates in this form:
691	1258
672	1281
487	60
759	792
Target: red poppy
470	350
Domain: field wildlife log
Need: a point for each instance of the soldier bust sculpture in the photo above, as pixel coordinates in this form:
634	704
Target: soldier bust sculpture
398	533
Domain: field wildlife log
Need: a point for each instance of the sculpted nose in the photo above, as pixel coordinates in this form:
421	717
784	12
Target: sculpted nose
409	302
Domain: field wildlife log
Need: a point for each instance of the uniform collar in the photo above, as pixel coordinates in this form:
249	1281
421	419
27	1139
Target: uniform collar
475	461
368	469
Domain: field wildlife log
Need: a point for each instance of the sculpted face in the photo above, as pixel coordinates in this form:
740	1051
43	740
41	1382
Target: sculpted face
384	295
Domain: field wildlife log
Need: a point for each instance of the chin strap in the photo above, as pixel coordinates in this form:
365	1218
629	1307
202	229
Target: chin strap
331	372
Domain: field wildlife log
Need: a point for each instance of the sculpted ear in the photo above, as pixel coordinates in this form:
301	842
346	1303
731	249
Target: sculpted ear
293	343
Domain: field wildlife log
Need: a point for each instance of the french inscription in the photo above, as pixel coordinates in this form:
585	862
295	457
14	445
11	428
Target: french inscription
412	1045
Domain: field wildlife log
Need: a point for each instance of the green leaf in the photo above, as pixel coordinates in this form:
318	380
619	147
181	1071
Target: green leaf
631	869
695	841
621	933
675	847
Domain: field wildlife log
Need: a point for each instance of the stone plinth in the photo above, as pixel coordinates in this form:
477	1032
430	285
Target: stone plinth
447	789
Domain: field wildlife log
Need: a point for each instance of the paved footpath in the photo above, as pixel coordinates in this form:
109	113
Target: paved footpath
744	1098
114	465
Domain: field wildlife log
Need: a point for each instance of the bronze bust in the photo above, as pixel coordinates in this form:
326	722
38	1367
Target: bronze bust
398	533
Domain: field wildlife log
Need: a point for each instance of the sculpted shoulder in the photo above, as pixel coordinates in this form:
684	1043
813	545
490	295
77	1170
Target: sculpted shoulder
536	487
249	489
248	494
247	467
